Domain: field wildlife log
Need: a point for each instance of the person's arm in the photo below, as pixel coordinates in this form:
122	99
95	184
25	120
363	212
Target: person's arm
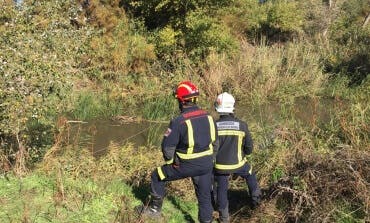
216	144
169	142
248	142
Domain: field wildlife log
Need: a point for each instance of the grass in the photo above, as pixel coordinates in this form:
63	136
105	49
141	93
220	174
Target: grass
36	198
91	105
262	73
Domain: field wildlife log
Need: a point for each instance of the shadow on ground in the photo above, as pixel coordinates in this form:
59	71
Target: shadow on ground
239	203
142	193
187	216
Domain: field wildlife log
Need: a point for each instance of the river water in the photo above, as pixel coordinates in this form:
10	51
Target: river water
97	135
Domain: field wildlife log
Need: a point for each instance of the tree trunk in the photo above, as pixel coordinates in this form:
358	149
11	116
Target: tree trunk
20	159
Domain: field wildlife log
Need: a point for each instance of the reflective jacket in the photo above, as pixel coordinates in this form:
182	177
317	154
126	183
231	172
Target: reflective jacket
190	137
235	143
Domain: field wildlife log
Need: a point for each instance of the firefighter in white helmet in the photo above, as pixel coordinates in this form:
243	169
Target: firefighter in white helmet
235	144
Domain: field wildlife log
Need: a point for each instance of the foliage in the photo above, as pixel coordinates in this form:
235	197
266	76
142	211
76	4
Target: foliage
317	17
279	72
160	13
275	20
166	42
158	107
305	167
35	68
49	51
120	48
349	54
206	35
90	105
284	16
183	26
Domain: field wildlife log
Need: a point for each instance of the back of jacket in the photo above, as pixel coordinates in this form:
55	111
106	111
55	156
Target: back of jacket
235	142
189	138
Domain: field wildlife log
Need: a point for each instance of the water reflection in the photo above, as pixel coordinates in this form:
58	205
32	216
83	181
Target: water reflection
302	110
97	135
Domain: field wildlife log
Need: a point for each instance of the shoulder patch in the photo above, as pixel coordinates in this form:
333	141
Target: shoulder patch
168	132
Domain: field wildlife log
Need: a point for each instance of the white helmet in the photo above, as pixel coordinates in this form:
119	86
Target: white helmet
225	103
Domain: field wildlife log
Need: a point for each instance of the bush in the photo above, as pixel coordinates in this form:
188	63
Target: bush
204	35
34	71
278	20
121	46
350	49
183	27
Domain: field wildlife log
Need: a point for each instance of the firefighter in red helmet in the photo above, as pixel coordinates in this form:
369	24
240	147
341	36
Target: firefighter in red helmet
188	149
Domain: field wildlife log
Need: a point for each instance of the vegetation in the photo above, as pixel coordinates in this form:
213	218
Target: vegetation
72	61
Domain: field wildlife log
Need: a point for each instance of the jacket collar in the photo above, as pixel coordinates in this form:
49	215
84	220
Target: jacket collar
189	109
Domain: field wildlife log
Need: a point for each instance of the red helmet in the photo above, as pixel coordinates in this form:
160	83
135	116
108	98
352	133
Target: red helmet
186	91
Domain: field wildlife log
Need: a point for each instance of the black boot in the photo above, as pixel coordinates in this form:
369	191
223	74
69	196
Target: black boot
153	210
224	215
256	198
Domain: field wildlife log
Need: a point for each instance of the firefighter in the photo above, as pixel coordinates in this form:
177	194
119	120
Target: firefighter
187	148
235	144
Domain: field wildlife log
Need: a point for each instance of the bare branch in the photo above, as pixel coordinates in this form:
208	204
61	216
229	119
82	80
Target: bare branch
366	20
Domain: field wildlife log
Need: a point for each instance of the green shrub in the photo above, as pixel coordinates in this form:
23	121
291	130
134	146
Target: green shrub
166	42
204	35
90	105
187	27
277	20
35	70
120	51
349	50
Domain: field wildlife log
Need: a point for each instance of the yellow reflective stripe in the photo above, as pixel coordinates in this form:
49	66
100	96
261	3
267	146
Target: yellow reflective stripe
212	128
190	136
190	152
195	155
160	173
169	161
240	141
250	170
230	167
231	133
213	132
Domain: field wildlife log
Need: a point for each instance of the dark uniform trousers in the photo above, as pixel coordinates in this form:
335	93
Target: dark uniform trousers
222	181
201	177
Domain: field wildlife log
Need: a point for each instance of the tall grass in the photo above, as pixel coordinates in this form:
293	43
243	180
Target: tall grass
159	107
315	171
260	73
92	105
